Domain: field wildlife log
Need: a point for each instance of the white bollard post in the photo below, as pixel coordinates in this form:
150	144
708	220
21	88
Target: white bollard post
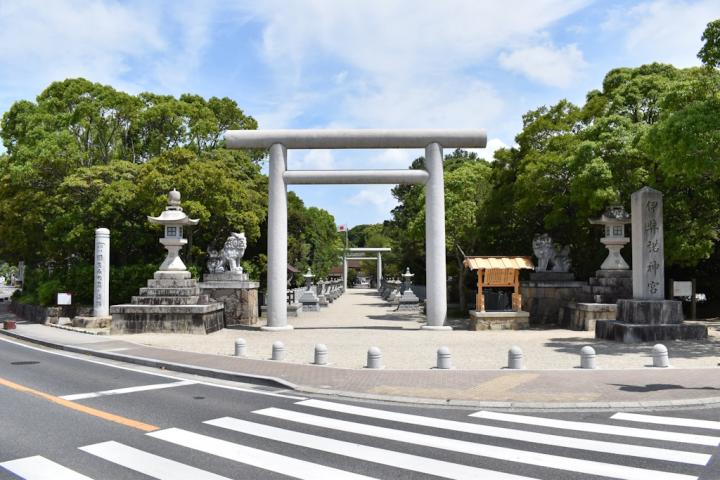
278	351
240	347
321	354
374	358
660	356
588	359
444	358
515	358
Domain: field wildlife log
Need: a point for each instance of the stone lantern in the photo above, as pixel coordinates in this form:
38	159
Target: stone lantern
407	278
614	220
309	298
173	219
408	301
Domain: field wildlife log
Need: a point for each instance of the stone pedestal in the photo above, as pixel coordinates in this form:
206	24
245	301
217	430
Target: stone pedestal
547	292
237	293
172	302
583	316
409	302
309	300
499	320
608	286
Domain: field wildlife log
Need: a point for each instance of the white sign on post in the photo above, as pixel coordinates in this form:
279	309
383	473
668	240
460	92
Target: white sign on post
64	298
682	289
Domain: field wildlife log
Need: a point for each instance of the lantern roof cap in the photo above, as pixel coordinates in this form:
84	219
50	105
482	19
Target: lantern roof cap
173	213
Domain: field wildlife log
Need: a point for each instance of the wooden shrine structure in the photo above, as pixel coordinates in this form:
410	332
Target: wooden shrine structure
499	272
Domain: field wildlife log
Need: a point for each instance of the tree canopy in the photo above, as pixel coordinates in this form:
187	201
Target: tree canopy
85	155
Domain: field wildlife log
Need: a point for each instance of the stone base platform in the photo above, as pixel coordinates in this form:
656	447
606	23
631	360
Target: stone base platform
547	292
654	312
648	321
499	320
637	333
293	310
240	297
582	316
198	319
91	322
171	302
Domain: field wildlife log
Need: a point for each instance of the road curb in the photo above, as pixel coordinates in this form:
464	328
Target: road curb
282	383
162	364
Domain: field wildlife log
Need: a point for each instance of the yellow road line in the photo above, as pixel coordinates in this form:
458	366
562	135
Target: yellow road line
80	408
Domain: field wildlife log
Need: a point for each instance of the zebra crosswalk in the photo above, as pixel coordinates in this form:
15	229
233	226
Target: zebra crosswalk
319	439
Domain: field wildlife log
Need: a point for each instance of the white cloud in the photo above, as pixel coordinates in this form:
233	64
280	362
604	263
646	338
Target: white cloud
45	41
408	64
312	160
377	196
392	159
664	31
556	67
133	46
488	152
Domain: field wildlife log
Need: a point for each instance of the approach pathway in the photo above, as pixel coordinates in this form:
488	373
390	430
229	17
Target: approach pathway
360	319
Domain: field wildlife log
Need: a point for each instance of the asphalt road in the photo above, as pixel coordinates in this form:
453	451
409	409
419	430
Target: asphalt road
65	416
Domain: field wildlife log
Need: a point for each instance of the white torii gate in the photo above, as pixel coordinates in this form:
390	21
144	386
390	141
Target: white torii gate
433	141
378	258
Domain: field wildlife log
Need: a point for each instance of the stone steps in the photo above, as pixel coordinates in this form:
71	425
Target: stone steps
167	300
611	282
172	283
169	292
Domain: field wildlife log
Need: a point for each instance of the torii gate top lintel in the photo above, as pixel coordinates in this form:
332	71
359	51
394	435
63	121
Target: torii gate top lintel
356	138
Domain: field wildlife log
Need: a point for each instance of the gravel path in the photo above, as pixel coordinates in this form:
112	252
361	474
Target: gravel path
360	319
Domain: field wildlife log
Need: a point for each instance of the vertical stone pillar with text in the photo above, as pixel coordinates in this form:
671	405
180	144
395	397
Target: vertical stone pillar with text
647	245
101	290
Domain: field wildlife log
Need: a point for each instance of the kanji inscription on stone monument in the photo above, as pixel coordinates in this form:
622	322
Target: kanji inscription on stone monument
647	244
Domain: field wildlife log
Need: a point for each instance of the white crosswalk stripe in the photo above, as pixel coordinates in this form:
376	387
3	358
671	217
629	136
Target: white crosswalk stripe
251	456
380	444
600	428
674	421
147	463
121	391
40	468
471	448
362	452
522	435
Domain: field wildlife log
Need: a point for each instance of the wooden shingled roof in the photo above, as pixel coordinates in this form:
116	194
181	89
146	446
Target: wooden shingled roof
487	263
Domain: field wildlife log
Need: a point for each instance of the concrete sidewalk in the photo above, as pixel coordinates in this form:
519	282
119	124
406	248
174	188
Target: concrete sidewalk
570	389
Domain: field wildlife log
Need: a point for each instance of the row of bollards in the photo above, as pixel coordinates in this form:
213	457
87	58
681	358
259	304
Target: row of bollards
516	358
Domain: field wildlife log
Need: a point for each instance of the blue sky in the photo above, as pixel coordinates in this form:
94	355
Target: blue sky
353	64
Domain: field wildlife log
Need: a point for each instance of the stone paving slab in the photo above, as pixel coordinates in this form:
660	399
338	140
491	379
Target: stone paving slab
523	389
551	388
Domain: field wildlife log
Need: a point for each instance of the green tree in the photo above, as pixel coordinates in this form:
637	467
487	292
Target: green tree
467	184
709	54
85	155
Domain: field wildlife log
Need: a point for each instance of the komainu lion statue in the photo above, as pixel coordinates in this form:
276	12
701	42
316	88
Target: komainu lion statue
230	255
550	254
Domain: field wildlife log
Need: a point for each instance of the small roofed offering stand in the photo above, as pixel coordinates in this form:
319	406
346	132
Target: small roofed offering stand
498	272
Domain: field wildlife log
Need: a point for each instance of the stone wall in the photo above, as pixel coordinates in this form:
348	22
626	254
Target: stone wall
544	300
31	313
39	314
